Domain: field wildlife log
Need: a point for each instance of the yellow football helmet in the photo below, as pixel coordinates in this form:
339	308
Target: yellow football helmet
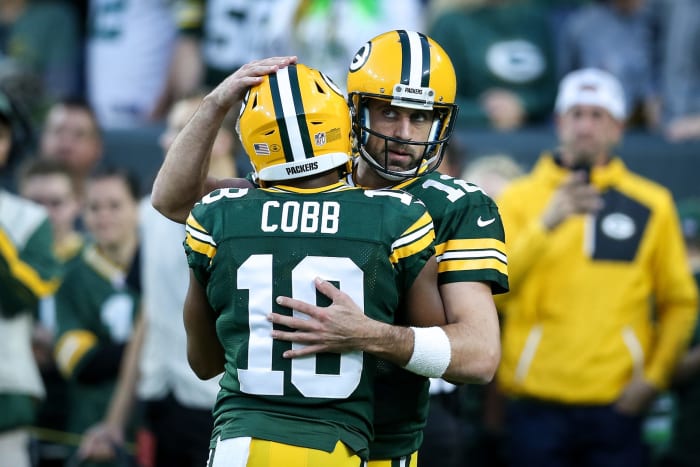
407	69
295	124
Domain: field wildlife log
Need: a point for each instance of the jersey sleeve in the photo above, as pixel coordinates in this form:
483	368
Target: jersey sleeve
200	247
414	242
75	339
28	272
470	243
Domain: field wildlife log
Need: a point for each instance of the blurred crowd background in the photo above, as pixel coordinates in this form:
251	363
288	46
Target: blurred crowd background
88	89
129	61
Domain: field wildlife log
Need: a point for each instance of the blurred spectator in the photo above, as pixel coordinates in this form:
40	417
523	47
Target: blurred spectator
178	405
482	406
129	50
28	272
52	185
448	440
72	134
97	303
684	450
492	173
502	52
186	70
322	34
226	148
679	24
435	8
593	250
326	35
559	11
455	157
445	431
235	32
628	25
23	140
42	38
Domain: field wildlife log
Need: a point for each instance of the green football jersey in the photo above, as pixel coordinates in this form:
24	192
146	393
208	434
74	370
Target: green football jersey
470	247
94	307
249	246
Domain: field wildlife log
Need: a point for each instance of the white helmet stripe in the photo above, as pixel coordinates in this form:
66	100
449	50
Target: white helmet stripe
290	116
416	72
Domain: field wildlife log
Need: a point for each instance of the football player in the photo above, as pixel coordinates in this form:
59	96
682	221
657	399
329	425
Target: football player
247	246
401	88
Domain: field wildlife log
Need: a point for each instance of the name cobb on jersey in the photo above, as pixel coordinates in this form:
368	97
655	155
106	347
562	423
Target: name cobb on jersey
304	217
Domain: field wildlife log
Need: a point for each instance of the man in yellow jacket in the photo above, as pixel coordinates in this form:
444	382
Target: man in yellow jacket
602	302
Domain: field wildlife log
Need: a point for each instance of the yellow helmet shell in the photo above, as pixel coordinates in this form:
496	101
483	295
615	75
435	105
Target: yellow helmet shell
294	124
406	66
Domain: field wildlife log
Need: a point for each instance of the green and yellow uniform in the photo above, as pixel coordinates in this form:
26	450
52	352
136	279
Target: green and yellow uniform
470	247
247	247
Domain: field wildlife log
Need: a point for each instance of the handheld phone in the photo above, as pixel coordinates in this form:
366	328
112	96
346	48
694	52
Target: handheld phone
584	167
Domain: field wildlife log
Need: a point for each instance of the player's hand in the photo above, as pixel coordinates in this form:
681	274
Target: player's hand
339	327
574	196
99	443
232	90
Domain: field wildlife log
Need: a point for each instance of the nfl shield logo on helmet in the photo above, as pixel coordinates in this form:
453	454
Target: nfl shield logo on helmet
320	138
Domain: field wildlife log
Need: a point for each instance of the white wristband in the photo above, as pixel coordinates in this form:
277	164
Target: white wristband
431	352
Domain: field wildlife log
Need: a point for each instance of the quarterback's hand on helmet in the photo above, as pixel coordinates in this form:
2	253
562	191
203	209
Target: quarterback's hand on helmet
339	327
232	90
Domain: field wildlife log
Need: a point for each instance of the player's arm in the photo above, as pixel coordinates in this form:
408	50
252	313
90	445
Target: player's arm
182	179
204	351
463	347
472	332
343	327
340	327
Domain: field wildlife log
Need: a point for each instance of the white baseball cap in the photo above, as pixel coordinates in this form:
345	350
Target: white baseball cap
591	86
